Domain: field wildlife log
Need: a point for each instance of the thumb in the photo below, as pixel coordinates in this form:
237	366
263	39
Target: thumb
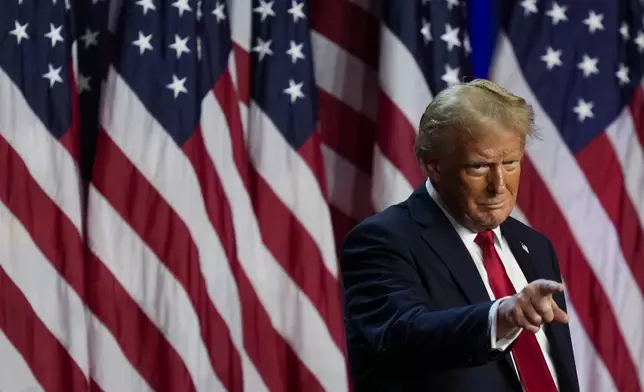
559	315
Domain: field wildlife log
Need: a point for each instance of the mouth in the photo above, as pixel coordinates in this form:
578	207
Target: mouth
493	206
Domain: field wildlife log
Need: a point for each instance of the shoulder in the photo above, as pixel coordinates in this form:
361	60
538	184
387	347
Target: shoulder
391	224
524	231
531	237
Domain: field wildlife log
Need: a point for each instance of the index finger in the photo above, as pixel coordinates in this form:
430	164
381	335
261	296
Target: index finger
549	287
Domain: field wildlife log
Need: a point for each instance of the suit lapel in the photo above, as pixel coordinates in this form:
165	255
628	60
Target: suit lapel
532	271
521	253
443	239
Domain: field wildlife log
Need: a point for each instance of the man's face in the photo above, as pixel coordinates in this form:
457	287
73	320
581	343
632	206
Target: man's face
479	182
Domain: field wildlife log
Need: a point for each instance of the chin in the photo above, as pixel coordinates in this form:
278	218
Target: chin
491	220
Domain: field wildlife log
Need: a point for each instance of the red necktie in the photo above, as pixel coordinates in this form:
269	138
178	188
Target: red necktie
528	356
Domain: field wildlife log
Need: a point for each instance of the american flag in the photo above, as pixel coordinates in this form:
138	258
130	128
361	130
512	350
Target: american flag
580	64
189	241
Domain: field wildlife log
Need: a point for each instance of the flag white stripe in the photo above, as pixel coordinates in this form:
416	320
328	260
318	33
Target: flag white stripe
48	162
241	23
401	79
57	305
628	149
291	313
588	221
151	286
389	185
15	374
175	179
347	185
592	373
292	180
110	368
344	76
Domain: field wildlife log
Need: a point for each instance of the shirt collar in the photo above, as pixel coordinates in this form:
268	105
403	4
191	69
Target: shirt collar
467	236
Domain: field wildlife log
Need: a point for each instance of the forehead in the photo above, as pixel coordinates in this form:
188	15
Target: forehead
494	144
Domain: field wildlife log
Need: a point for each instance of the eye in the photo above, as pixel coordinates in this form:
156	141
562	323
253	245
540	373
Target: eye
511	165
477	168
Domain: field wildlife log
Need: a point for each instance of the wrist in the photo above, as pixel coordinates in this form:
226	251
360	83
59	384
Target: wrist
503	325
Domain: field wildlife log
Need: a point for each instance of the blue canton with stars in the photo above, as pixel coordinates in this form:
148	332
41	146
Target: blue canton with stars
435	33
171	54
581	58
282	83
36	53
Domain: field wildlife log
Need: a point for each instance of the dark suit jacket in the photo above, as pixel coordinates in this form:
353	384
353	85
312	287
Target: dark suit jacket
416	309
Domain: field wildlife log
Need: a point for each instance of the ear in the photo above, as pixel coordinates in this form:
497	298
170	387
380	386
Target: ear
432	170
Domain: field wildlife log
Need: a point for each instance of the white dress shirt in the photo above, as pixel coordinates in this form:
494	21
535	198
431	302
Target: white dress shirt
511	268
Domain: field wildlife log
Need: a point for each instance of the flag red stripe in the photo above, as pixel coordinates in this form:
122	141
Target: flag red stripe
93	386
604	173
397	145
141	341
52	231
351	134
584	289
242	61
342	223
289	242
311	153
349	26
49	361
275	360
166	235
637	112
60	242
71	140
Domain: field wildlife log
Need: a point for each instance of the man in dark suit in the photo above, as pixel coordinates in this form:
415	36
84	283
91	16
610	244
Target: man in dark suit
445	291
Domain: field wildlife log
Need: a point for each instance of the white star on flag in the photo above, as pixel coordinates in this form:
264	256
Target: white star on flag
296	11
83	83
219	12
20	31
265	9
594	22
451	75
147	5
177	86
584	110
180	45
639	41
622	74
143	42
588	65
552	57
557	13
53	75
182	5
451	37
89	38
451	4
55	34
529	6
294	90
623	30
295	51
263	48
426	31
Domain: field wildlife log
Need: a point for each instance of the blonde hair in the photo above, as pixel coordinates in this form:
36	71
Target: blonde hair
466	110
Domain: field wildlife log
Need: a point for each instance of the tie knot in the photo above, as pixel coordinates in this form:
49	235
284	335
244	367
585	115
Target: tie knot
485	239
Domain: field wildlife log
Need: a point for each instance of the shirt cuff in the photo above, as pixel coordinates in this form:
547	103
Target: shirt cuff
504	342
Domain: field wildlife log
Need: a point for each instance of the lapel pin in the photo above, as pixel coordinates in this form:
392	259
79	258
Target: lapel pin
525	247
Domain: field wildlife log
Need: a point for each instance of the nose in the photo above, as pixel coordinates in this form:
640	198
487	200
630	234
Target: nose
496	181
